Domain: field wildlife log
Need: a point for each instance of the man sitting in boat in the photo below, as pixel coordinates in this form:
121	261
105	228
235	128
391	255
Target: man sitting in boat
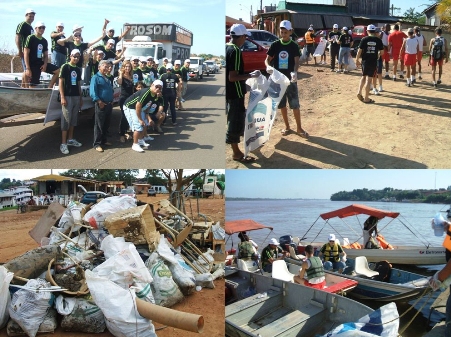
370	228
246	249
331	252
312	272
271	253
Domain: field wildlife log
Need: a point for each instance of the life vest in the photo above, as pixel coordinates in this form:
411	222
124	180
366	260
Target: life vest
383	243
245	249
331	253
316	268
447	241
308	38
354	245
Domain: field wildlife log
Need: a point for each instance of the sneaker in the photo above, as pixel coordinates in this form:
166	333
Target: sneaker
141	142
413	81
408	84
182	100
380	88
64	149
387	76
73	142
435	85
401	76
375	92
137	148
420	78
174	124
159	129
439	81
98	148
148	138
394	79
332	70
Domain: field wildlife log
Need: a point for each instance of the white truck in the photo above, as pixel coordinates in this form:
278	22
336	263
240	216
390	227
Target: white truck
210	187
197	68
159	40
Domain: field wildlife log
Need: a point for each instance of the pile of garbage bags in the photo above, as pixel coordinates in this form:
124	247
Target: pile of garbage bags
95	279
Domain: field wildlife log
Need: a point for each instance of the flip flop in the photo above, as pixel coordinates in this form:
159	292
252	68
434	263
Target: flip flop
370	101
244	159
286	132
303	134
360	97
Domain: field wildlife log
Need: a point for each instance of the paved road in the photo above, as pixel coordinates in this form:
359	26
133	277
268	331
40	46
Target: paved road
196	142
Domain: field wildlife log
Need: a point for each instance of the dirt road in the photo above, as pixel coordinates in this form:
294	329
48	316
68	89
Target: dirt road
15	241
406	127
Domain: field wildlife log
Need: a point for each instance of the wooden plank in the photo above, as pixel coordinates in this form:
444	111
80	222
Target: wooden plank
47	220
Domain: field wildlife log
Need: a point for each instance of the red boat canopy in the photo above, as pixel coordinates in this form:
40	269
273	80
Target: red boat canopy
237	226
358	209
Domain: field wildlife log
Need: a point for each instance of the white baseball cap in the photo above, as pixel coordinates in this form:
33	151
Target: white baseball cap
142	59
29	10
187	61
238	30
332	237
335	26
177	62
135	58
111	41
169	66
39	24
75	51
157	82
76	27
273	242
286	24
60	24
345	28
157	62
310	28
371	27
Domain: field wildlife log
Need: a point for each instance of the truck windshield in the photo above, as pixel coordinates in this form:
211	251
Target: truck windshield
194	61
139	51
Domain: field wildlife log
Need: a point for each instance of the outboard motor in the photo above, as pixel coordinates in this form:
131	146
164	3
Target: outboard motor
285	241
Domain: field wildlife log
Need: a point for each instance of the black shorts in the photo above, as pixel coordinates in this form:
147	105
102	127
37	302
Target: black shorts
369	68
236	114
36	72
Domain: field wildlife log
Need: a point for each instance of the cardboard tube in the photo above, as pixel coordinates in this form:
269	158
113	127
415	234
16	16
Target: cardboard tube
177	319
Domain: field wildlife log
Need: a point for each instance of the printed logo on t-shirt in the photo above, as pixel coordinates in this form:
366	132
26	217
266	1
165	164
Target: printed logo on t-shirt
40	48
135	78
152	108
283	60
371	47
73	77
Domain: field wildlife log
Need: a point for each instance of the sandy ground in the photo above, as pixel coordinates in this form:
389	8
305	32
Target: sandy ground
405	128
209	303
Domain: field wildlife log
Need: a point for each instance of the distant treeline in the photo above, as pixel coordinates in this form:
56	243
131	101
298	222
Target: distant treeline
390	194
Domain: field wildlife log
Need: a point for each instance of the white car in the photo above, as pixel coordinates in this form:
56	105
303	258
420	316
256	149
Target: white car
262	37
212	67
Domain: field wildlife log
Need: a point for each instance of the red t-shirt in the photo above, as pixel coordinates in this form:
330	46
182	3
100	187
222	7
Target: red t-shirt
395	39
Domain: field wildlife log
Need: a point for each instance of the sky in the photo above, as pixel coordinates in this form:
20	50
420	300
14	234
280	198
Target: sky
29	174
321	184
241	8
205	20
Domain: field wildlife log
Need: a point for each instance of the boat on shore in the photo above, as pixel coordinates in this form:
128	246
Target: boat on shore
419	254
386	285
258	305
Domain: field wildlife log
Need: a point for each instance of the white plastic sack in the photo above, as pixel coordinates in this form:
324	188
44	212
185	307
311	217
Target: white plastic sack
166	292
96	216
119	307
124	268
205	280
218	231
262	109
111	245
387	314
28	308
5	297
64	305
319	51
351	63
48	325
303	57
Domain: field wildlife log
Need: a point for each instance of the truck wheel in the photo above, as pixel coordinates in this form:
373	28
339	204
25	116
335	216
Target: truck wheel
208	74
197	77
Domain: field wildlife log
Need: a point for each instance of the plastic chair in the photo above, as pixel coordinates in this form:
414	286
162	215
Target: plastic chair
361	267
247	265
295	256
280	271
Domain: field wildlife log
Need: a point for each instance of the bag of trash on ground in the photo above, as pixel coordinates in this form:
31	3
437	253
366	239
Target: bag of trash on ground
124	268
97	214
205	280
48	325
182	274
111	245
166	292
5	297
28	308
119	307
85	316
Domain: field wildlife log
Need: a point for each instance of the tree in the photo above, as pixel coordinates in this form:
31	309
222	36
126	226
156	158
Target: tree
180	181
411	16
444	11
154	177
128	176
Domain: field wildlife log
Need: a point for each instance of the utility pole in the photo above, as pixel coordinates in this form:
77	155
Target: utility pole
393	8
262	26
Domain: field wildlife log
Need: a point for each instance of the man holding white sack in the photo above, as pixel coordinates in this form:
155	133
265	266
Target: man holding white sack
283	55
236	90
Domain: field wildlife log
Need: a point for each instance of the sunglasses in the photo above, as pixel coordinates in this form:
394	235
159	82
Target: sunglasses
77	35
158	87
76	57
42	27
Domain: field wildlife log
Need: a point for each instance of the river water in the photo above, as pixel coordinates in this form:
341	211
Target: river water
301	218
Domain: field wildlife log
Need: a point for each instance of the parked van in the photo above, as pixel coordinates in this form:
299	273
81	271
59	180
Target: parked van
196	68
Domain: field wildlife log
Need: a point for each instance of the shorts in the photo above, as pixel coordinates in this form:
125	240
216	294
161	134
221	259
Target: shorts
132	119
419	56
292	95
320	285
36	73
310	49
69	115
410	59
379	65
434	62
396	54
236	114
58	59
386	55
369	68
23	64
